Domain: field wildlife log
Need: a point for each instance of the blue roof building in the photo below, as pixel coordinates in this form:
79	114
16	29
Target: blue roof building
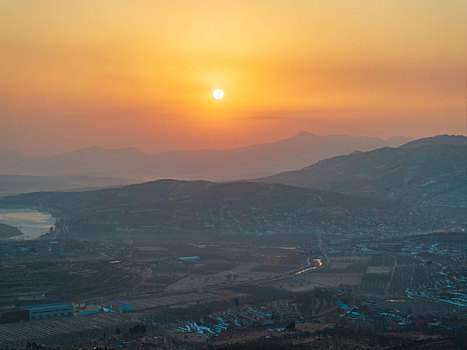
189	258
120	306
49	310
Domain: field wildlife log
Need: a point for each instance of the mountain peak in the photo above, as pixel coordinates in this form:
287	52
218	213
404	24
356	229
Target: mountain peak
299	136
305	133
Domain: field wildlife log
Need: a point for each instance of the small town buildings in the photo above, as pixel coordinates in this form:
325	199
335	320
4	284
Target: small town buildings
88	310
149	228
49	310
120	306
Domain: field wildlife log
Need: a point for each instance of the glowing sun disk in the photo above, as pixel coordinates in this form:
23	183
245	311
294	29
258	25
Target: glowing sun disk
218	94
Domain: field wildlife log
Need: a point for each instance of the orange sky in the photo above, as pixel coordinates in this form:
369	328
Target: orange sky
139	73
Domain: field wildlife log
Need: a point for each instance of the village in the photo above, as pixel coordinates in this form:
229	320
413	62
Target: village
205	290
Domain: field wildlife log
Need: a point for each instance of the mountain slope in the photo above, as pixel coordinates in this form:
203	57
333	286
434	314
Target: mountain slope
428	172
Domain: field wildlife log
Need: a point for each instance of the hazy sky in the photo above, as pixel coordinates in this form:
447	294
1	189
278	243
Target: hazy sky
141	73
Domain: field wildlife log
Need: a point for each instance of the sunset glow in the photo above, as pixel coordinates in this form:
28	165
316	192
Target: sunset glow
136	73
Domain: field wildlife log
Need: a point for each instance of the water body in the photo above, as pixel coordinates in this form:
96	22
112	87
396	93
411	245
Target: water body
31	222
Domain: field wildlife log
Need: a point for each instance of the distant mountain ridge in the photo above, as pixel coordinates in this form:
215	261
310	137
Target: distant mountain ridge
417	187
429	172
218	165
14	184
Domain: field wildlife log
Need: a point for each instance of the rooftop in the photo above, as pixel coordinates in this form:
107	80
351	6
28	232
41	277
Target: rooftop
47	306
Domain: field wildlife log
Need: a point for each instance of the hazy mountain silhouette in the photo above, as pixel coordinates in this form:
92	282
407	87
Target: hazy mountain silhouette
417	187
246	162
430	171
14	184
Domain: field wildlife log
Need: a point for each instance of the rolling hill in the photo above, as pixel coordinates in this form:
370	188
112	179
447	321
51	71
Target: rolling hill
419	186
232	208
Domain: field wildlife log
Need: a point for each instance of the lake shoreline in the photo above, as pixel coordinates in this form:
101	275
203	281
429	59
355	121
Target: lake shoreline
31	223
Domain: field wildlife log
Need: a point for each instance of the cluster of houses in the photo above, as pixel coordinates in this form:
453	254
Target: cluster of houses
216	323
45	311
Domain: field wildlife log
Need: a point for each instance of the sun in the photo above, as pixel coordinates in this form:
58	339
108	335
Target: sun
218	94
